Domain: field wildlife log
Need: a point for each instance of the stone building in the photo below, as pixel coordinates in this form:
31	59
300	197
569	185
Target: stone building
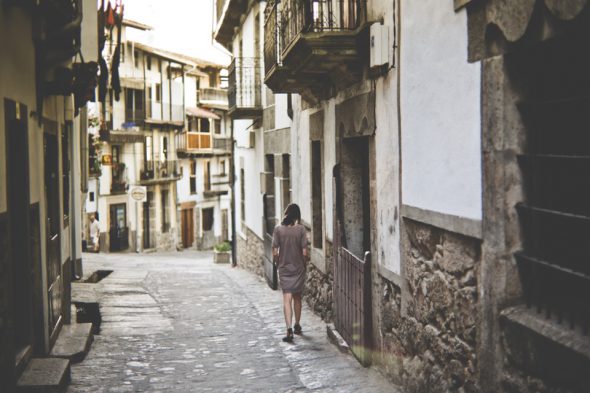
204	152
446	212
261	133
44	86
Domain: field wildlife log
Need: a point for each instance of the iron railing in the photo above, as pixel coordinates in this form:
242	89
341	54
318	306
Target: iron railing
245	83
154	170
555	215
271	36
118	183
352	298
304	16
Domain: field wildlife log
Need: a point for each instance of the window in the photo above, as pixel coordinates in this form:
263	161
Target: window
217	127
222	168
193	177
207	175
116	154
65	156
158	92
207	219
148	61
316	193
147	151
91	196
136	58
204	125
165	148
134	104
165	211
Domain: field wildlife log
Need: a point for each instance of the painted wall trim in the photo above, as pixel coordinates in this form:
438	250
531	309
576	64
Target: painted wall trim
390	276
464	226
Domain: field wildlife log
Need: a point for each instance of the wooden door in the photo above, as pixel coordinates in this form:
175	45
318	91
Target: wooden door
187	227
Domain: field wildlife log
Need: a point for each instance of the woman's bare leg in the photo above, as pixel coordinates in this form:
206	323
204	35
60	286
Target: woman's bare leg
287	308
297	307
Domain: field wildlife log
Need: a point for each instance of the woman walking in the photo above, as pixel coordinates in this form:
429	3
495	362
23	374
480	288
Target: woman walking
289	242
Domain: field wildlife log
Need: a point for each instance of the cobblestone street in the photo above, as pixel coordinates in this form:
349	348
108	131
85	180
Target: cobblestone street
177	322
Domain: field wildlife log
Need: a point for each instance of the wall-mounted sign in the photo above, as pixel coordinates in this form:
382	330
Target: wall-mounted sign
138	193
107	159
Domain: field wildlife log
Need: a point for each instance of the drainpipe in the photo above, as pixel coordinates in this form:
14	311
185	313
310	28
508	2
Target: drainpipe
232	179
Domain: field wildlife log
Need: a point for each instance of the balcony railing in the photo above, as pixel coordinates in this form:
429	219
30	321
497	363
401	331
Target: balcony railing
271	37
118	183
162	112
193	141
305	16
244	91
213	96
222	144
159	170
311	45
134	116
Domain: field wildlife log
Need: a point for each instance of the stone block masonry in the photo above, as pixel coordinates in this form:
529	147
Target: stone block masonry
429	334
250	252
319	287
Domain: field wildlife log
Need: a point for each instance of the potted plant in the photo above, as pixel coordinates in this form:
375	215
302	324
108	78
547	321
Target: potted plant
222	253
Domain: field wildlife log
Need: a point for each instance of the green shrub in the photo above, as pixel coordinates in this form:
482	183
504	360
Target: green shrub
223	247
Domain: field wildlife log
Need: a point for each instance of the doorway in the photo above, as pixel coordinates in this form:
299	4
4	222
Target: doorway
17	171
146	219
118	232
187	227
53	250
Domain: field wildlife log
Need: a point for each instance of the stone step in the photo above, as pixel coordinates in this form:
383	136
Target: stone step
73	342
47	375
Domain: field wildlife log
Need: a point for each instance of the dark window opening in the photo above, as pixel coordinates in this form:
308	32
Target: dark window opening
316	193
207	219
165	211
193	177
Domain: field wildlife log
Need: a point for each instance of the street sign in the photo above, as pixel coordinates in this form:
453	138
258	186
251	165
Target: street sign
138	193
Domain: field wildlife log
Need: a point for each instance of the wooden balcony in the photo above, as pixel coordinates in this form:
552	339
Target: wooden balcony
313	46
245	88
201	144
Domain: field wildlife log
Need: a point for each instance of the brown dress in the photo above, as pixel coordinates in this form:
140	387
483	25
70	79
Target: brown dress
290	240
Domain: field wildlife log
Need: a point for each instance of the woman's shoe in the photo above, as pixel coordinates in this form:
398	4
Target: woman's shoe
289	337
297	329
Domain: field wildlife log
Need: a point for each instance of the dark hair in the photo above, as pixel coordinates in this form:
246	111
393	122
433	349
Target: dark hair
292	215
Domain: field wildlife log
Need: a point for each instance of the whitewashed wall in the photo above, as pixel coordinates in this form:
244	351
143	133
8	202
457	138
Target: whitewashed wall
440	103
17	82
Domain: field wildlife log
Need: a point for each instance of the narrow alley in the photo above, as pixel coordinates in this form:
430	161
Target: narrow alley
177	322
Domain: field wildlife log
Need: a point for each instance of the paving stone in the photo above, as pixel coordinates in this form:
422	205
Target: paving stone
177	322
73	342
48	375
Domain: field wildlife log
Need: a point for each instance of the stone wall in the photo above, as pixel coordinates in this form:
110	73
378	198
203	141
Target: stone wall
250	252
318	292
318	286
428	331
